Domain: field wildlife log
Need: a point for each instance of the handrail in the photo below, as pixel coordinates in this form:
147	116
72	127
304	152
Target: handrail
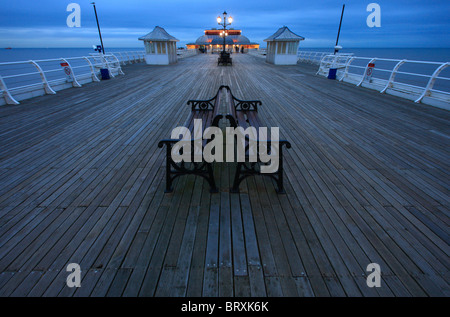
430	84
365	71
75	83
73	70
47	88
186	53
413	86
392	77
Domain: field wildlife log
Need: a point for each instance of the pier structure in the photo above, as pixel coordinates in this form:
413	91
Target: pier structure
82	181
282	47
211	41
160	47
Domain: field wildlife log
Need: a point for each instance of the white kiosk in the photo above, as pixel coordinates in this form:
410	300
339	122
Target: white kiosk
282	47
160	47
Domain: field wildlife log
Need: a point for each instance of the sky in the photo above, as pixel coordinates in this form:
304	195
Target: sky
404	23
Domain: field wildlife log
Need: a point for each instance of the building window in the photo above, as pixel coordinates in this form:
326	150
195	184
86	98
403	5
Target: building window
161	48
150	47
292	50
281	48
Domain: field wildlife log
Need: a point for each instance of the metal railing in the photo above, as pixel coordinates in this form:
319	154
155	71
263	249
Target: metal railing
129	57
186	53
310	57
26	79
262	52
419	81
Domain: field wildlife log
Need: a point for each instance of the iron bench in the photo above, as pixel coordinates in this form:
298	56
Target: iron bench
224	59
241	113
208	112
244	113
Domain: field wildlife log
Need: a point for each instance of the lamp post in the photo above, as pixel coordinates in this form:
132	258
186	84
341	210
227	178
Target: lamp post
337	47
224	22
98	26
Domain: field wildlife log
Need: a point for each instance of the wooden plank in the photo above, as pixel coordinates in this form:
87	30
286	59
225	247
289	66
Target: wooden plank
82	180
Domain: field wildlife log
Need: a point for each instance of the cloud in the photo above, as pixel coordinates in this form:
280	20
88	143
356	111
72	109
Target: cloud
404	22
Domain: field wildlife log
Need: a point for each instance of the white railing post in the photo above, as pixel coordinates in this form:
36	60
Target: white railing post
105	62
320	64
118	65
128	57
123	58
346	68
392	77
6	95
47	88
75	83
432	80
94	76
117	54
365	71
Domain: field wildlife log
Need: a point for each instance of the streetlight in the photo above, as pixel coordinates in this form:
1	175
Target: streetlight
98	26
224	22
337	47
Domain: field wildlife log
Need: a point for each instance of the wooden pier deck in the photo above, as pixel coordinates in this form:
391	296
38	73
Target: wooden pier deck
82	181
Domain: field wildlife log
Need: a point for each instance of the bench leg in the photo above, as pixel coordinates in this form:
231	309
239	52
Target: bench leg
174	170
169	179
280	189
243	171
280	172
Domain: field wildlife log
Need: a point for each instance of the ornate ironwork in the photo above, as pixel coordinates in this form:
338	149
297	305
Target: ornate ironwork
246	169
243	105
202	104
174	169
207	104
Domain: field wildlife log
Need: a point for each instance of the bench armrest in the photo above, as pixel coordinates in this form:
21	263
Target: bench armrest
202	104
247	105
